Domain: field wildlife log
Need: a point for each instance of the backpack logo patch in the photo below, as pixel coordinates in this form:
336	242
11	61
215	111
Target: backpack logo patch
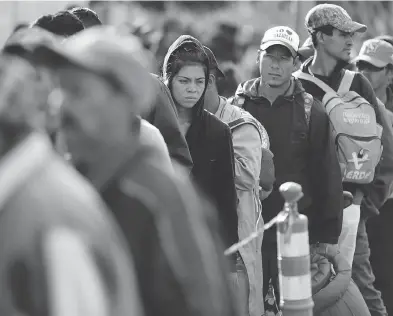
356	118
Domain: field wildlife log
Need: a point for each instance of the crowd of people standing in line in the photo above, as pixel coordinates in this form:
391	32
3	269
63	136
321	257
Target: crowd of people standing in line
122	187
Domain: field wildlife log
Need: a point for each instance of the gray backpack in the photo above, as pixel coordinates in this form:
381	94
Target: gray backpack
356	133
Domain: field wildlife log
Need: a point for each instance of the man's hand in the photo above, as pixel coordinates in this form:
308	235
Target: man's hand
327	250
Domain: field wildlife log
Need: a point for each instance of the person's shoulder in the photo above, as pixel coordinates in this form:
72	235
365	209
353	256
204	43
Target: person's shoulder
59	191
360	83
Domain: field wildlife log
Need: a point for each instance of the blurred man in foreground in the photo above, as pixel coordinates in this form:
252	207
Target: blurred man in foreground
21	44
61	252
180	268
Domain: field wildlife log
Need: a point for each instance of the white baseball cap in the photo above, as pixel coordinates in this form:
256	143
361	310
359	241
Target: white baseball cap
281	35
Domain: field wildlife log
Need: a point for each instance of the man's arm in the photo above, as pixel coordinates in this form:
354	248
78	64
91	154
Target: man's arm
377	192
325	177
225	188
164	117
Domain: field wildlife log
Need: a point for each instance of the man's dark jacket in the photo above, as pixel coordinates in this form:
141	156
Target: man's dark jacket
179	260
303	153
377	192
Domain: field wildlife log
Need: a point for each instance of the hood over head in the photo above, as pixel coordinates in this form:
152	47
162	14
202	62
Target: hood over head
186	49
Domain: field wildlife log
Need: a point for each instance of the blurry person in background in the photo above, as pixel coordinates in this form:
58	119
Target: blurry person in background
88	17
227	85
61	251
21	44
224	43
171	30
250	143
387	39
180	266
375	61
63	23
186	74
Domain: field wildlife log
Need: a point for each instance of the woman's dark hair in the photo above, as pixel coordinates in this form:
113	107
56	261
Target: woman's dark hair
188	54
326	29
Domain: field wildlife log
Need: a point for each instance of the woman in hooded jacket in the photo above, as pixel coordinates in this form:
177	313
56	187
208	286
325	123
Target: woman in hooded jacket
186	73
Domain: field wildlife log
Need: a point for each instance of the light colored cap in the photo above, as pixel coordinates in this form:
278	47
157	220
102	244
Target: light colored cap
376	52
281	35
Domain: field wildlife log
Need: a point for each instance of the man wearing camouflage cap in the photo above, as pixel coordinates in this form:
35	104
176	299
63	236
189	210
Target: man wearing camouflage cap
332	30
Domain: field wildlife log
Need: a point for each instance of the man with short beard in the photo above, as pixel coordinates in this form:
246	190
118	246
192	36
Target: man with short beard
332	30
299	133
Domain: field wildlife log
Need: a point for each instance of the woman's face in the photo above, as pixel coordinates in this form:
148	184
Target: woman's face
188	85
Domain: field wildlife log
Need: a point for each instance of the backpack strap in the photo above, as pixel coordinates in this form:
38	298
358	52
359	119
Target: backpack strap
308	102
346	81
240	121
237	100
305	76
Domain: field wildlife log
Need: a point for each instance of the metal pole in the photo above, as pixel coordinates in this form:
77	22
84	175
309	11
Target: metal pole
293	252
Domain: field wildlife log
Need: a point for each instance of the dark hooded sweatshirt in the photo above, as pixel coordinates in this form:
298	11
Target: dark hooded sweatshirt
377	192
163	115
303	153
210	144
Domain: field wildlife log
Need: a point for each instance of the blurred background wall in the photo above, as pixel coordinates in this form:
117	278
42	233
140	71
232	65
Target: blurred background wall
232	28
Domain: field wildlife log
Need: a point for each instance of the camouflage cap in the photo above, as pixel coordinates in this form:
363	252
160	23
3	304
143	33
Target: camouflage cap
334	15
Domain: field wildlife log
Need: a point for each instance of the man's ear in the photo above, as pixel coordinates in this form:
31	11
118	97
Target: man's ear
389	73
296	63
258	57
320	37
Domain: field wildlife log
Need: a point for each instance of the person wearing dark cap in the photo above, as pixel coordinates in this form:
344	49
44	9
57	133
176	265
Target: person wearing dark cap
87	16
332	31
250	146
179	263
298	129
63	23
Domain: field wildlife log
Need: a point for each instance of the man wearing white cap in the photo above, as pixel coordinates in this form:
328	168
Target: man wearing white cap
298	128
375	61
